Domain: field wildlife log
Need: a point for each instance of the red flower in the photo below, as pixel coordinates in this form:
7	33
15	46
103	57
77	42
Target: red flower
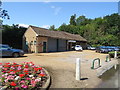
40	68
42	75
20	65
21	75
26	66
7	63
36	69
14	63
11	70
13	84
25	71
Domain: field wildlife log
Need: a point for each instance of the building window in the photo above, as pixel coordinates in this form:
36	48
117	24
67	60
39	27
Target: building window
31	43
26	42
34	42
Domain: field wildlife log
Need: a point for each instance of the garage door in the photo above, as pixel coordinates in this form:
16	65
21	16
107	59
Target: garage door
52	45
62	45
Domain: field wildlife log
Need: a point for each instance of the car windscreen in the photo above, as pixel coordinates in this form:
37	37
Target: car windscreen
4	47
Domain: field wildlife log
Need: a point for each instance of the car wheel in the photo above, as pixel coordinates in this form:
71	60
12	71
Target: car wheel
15	55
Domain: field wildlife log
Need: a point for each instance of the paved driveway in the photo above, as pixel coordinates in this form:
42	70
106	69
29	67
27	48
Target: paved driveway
61	66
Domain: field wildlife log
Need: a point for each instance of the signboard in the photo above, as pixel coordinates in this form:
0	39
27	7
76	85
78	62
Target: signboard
71	41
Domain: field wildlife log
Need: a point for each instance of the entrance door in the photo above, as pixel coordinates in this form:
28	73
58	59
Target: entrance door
44	46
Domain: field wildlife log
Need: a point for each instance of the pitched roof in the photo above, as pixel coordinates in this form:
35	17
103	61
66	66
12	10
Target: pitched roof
57	34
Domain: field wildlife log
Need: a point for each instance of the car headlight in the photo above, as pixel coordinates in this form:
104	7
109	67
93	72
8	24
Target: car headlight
22	51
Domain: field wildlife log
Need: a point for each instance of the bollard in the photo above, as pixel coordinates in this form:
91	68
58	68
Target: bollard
108	58
115	66
115	55
77	68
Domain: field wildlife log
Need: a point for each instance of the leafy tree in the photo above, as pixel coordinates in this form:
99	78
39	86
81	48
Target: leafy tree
73	20
52	28
98	31
3	13
80	19
12	35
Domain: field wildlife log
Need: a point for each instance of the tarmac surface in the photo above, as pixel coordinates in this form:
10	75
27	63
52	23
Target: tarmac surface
61	67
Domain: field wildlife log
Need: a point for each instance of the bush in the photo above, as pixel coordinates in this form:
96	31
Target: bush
112	54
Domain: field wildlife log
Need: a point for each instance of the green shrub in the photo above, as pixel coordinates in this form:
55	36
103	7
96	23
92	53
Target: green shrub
113	52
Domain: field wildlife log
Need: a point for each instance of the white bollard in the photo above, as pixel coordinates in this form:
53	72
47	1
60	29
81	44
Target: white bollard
115	66
115	56
77	68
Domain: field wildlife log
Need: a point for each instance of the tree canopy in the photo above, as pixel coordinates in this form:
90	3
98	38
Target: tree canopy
99	31
12	35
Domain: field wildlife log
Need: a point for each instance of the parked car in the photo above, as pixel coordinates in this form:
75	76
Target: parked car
106	49
78	48
102	49
6	50
116	48
91	48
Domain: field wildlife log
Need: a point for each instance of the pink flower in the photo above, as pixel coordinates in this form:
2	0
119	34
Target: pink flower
37	80
27	78
33	83
12	72
19	68
1	66
12	67
16	88
26	69
24	86
33	77
22	81
10	77
3	75
6	80
33	66
3	71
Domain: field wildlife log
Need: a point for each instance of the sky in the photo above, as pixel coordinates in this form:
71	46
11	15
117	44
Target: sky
45	14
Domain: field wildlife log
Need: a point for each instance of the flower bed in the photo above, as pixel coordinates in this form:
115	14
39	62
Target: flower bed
22	76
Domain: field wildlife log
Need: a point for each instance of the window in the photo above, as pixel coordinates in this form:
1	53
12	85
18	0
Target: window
31	43
4	47
26	42
34	42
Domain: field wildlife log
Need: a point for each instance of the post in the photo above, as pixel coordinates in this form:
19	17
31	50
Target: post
115	66
36	45
77	68
36	51
115	55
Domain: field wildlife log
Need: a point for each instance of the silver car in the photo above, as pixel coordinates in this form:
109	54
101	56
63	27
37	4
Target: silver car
6	50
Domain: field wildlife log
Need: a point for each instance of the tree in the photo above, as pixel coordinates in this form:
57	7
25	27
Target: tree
98	31
3	13
80	19
12	35
73	20
52	28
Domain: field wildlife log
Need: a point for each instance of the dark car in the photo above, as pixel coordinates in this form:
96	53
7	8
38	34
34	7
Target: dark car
106	49
116	48
6	50
102	49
